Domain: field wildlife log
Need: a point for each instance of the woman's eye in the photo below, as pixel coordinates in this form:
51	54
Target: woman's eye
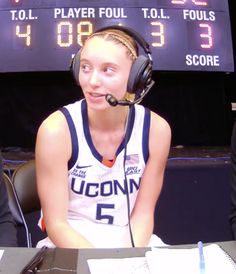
108	70
85	67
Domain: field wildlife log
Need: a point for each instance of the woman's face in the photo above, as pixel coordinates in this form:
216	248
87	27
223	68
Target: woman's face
104	68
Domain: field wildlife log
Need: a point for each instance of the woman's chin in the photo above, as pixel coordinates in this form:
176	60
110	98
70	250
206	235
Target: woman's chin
98	103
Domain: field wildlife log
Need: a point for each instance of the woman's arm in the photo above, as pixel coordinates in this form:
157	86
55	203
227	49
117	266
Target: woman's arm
142	218
53	150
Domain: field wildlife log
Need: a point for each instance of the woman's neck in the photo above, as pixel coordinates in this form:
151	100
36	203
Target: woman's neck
109	120
107	129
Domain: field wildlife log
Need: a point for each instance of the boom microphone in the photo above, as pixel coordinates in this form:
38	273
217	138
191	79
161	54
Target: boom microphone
114	102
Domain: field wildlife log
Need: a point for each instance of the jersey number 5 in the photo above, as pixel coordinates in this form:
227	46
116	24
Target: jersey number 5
100	212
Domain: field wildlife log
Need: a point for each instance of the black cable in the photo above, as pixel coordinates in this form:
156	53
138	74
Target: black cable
128	124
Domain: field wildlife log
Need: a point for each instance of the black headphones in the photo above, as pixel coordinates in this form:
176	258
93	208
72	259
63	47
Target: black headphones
141	70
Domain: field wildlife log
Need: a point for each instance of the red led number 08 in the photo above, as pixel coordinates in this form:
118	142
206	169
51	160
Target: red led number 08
65	33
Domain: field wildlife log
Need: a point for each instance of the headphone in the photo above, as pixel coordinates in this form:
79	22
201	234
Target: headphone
139	81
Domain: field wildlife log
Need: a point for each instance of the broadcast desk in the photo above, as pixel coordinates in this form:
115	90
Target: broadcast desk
75	260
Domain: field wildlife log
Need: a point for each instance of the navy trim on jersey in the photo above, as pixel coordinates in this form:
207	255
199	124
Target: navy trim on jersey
145	139
87	134
74	138
88	137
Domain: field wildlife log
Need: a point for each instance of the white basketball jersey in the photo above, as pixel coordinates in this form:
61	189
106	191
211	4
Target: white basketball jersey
98	195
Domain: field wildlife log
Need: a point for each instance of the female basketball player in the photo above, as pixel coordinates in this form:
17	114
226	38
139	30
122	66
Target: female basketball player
100	167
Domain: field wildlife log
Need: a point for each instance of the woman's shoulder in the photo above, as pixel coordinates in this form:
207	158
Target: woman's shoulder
52	133
157	121
73	105
57	119
54	126
159	124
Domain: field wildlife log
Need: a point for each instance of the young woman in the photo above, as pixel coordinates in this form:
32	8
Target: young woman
96	162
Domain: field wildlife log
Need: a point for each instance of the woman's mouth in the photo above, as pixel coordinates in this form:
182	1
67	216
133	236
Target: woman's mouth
95	94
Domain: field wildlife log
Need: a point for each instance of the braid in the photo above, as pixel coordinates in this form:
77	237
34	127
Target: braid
121	38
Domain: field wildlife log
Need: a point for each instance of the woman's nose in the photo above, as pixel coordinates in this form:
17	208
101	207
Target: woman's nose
94	78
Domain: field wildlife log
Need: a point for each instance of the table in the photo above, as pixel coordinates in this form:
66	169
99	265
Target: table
75	260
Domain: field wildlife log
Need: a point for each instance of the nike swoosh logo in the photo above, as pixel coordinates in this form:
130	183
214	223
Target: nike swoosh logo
80	167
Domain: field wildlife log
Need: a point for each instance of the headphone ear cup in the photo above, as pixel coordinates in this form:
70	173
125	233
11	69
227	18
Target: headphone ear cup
140	75
75	67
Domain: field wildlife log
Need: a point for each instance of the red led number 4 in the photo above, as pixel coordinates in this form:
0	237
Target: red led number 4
26	34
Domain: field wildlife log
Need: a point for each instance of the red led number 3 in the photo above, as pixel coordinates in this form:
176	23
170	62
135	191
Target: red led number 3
206	36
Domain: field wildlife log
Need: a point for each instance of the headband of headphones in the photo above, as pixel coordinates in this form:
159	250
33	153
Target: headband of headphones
131	32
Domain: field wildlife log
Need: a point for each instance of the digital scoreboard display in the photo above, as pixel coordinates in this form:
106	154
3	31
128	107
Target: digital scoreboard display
184	35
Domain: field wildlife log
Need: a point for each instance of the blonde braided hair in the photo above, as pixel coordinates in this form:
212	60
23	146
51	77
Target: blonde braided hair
119	37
